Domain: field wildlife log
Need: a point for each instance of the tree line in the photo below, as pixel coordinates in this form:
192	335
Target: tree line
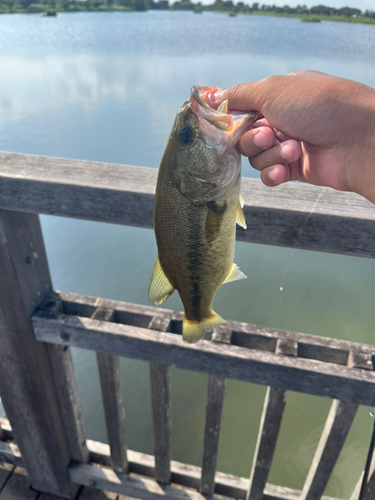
9	6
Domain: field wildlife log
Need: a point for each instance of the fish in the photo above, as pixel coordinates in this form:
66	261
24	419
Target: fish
197	205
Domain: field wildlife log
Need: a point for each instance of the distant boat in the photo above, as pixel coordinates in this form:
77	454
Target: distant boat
232	14
50	13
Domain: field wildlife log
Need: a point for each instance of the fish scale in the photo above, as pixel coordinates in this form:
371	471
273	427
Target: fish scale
197	203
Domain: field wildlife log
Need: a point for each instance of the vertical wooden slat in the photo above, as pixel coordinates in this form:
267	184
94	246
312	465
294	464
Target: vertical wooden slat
67	393
67	390
273	409
214	413
160	379
26	379
370	490
110	381
270	423
336	429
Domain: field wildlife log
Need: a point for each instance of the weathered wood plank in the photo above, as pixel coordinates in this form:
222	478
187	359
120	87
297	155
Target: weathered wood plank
160	379
160	382
70	407
184	475
369	493
66	389
110	381
236	333
27	387
270	423
267	368
339	421
148	489
92	494
6	428
214	414
10	453
5	473
18	487
294	215
136	487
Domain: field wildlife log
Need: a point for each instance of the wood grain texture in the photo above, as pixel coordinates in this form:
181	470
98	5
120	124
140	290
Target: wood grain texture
18	487
262	367
26	378
269	428
212	429
70	407
160	380
148	489
5	472
339	421
160	383
315	347
10	453
110	381
182	474
292	215
92	494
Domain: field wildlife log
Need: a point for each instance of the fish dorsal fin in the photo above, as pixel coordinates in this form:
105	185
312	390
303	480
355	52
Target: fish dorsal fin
240	217
160	287
235	274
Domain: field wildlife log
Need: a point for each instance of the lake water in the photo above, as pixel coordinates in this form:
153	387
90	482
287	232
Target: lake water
106	87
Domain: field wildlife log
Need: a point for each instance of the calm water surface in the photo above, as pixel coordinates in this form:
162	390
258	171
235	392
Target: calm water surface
106	87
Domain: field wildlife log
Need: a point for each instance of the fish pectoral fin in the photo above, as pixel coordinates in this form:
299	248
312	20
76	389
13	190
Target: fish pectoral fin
240	216
192	331
235	274
160	287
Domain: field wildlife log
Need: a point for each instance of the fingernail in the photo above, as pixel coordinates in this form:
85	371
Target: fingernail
260	139
286	151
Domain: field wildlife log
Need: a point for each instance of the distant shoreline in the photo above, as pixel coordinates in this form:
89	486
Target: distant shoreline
40	9
319	17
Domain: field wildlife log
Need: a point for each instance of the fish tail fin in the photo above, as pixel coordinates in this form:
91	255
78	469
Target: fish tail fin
192	330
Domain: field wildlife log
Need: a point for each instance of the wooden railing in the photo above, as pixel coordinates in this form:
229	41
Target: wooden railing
38	326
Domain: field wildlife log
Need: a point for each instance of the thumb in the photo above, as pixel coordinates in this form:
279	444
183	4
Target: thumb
244	96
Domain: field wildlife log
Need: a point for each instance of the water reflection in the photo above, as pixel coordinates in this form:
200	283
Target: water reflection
106	87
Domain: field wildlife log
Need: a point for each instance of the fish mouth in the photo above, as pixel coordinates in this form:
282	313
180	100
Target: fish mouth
219	126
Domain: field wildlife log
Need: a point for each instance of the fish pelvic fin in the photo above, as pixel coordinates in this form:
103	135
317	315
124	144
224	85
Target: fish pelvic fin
192	331
160	287
240	216
235	274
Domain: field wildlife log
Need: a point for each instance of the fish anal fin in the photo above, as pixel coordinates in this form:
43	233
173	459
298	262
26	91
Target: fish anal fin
160	287
240	216
235	274
192	331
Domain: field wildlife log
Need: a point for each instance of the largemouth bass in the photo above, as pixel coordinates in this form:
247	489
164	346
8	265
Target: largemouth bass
197	205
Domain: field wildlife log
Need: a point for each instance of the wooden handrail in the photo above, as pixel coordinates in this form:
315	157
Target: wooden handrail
237	359
292	215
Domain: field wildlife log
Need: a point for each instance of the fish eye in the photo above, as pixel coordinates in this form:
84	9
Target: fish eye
185	135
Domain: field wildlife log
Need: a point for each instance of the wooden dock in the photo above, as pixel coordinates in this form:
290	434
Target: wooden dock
44	433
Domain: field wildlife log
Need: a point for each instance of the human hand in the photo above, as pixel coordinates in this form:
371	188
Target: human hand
314	128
